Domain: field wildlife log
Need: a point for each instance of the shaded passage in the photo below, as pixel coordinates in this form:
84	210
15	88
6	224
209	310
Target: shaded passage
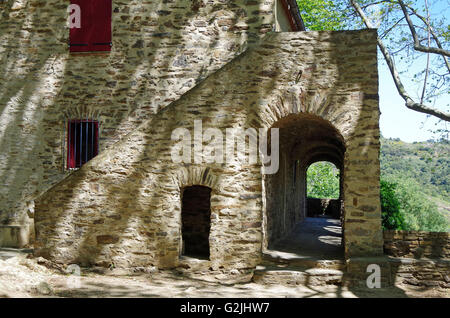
319	238
304	140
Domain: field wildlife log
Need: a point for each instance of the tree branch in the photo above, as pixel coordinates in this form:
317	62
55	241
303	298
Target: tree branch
428	55
435	37
409	102
417	45
393	26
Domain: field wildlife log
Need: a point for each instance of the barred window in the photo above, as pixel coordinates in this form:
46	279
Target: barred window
82	142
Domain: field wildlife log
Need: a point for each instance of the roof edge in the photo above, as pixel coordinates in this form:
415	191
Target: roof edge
293	12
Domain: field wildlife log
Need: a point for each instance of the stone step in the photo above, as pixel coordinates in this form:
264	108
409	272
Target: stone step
292	276
202	270
291	269
194	264
7	252
271	259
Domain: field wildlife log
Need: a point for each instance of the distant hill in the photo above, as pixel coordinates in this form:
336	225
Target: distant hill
428	163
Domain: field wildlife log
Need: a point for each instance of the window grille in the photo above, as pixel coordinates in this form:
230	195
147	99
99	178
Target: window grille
82	142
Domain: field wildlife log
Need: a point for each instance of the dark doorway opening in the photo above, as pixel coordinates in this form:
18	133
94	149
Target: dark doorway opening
196	221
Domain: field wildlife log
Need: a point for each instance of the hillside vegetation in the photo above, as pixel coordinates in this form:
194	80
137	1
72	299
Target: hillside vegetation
415	184
428	163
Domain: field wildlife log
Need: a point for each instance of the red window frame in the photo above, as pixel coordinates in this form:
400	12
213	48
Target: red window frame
95	31
82	142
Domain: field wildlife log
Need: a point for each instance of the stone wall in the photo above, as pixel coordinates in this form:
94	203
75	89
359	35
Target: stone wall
282	21
160	50
429	273
394	271
131	193
417	244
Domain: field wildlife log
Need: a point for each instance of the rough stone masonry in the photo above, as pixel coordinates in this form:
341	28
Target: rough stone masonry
173	62
160	50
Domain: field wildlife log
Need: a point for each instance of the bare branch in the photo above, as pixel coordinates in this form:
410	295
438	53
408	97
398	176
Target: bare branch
435	37
428	55
409	102
417	45
375	3
393	26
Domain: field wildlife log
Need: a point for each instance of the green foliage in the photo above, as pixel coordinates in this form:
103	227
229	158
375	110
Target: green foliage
413	175
322	179
417	173
404	207
388	18
320	15
426	162
420	214
392	218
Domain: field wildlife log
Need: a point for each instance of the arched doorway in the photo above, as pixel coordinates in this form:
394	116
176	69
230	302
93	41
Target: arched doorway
196	221
304	139
323	190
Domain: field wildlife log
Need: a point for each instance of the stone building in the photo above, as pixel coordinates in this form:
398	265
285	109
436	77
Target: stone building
117	195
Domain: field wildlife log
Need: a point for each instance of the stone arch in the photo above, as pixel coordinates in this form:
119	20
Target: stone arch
327	206
193	175
304	139
320	103
82	111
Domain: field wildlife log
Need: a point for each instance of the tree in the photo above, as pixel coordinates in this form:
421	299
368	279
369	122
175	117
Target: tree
406	32
322	180
404	207
322	15
391	217
419	213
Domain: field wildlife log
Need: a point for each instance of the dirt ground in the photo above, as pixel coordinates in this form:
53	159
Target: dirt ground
24	277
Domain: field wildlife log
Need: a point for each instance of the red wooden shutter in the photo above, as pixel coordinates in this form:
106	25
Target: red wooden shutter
71	144
95	31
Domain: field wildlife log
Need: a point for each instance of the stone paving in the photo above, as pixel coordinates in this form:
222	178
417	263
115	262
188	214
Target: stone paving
22	276
314	238
7	253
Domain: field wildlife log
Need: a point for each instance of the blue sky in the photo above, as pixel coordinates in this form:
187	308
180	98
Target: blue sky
396	120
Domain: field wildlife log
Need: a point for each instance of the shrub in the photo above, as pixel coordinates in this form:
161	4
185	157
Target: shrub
392	218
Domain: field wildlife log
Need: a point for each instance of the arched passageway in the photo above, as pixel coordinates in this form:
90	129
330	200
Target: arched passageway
289	226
